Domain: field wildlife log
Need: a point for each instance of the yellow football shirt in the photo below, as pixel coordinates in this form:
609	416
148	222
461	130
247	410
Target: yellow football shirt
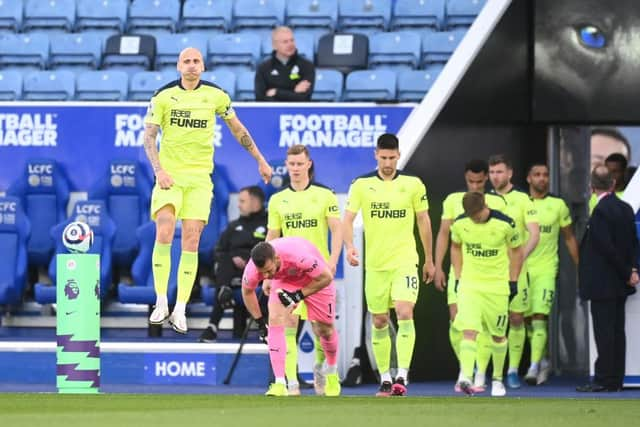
304	214
187	121
388	210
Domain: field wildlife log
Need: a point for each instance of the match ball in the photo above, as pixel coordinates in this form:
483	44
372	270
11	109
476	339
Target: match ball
77	237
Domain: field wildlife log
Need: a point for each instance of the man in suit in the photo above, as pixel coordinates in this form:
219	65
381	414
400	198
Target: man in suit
608	273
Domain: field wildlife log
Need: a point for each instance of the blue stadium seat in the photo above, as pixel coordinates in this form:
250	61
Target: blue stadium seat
328	85
11	15
206	16
418	15
317	15
153	16
43	189
104	85
438	47
141	291
49	16
170	45
14	233
223	78
252	15
414	84
27	51
304	44
462	13
245	85
364	16
75	51
105	15
10	85
126	190
145	83
234	51
129	53
394	50
94	213
49	86
370	85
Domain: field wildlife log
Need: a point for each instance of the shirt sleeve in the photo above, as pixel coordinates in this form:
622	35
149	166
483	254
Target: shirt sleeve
514	238
455	236
155	111
420	201
565	215
224	110
447	209
354	202
332	210
273	216
530	213
250	277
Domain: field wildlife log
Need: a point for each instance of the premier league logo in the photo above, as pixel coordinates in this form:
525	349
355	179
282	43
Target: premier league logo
71	289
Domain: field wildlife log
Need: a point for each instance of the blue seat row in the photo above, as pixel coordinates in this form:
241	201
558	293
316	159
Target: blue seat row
241	51
117	209
140	16
330	85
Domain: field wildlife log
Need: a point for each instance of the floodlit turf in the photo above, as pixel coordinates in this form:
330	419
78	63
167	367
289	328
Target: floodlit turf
122	410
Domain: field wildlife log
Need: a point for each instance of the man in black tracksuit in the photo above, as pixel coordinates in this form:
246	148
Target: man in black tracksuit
286	76
231	255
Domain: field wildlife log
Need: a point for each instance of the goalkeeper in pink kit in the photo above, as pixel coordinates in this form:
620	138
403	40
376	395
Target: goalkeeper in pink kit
297	271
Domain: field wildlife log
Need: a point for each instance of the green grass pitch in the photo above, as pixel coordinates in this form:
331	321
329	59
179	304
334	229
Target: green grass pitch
121	410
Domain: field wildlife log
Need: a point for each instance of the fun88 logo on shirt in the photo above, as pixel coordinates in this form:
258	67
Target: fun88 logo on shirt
130	131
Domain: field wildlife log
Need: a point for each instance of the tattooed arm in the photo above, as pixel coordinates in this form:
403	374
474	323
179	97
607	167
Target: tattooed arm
163	179
244	138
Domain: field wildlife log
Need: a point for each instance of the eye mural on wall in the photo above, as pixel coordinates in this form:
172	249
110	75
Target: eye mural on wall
586	61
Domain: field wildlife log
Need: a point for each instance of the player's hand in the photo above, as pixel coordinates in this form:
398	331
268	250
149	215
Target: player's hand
238	262
163	179
265	171
352	257
302	86
428	271
263	330
290	299
440	280
271	92
266	287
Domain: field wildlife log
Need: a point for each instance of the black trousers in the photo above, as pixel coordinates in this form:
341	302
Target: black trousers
224	275
608	317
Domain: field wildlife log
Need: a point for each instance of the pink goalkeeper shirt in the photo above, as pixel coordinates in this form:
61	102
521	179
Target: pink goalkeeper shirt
300	263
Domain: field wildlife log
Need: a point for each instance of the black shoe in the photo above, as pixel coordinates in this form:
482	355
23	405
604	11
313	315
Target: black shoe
353	377
384	390
208	335
597	388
